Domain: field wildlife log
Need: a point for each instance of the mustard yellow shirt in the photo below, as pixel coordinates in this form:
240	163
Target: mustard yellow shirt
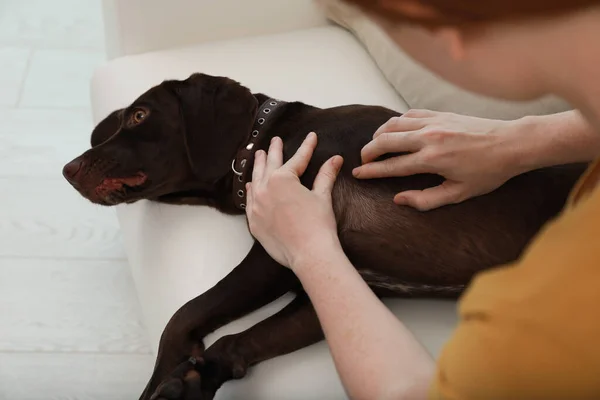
531	330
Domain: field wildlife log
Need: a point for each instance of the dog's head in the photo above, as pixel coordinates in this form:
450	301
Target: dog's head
178	136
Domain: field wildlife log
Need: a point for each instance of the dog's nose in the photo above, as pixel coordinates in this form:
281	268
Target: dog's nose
72	169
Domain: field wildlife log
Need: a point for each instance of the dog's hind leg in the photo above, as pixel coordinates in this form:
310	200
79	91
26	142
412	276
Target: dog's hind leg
256	281
293	328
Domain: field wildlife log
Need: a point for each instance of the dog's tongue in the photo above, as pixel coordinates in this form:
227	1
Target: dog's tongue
110	184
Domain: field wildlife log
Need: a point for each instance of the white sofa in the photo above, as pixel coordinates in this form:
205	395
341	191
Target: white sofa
287	50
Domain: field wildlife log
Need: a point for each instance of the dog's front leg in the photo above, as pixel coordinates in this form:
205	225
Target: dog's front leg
256	281
294	327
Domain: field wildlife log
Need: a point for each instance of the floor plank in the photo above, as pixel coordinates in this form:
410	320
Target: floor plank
37	142
48	218
44	121
73	376
69	306
60	78
65	24
13	64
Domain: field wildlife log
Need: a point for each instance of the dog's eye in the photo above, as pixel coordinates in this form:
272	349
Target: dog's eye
138	116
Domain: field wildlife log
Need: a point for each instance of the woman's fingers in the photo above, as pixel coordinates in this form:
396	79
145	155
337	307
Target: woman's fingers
260	160
249	198
274	155
405	165
412	120
391	142
299	161
327	175
447	193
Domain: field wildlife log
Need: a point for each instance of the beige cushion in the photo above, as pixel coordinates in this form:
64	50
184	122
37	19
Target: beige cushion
419	87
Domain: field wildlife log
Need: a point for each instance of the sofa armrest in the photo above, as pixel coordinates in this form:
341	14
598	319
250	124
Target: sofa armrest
138	26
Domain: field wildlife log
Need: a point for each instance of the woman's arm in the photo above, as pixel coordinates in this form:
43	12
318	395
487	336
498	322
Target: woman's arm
475	155
374	353
547	140
376	356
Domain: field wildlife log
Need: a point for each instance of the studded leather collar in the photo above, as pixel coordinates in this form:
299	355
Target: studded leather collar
245	157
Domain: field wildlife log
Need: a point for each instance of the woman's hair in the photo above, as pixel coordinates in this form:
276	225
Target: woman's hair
466	12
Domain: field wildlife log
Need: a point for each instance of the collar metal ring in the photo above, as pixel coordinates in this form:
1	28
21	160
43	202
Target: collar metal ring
233	168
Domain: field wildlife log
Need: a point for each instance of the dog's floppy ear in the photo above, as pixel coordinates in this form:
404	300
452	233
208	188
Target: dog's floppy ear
106	128
218	114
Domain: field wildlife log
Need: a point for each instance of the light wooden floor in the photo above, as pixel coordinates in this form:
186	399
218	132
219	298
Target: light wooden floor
70	325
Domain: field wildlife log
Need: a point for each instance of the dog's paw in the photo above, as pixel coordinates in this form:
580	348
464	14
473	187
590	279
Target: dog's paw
184	383
171	368
199	378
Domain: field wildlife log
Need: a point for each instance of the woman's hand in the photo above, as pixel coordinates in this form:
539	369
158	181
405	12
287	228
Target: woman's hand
473	154
288	219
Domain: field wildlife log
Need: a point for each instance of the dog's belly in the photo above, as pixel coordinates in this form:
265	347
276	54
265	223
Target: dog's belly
386	283
403	250
406	252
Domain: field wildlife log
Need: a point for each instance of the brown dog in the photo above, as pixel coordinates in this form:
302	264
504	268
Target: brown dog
192	142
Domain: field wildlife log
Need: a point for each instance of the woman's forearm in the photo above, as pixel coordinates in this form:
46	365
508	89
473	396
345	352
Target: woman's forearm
376	356
547	140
